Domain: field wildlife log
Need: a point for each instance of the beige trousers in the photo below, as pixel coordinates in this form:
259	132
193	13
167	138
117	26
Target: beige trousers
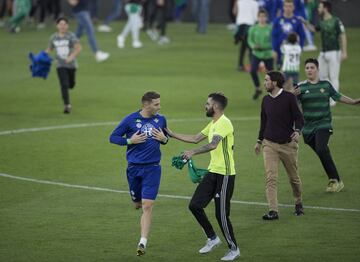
288	154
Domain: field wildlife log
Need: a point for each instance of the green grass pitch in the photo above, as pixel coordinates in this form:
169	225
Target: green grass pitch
56	222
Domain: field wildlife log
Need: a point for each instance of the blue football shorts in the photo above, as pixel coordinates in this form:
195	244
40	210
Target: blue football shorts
144	181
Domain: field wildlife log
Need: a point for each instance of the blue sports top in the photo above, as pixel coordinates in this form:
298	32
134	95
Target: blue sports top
143	153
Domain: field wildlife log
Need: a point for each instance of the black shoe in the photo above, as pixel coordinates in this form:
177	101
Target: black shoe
257	94
299	210
272	215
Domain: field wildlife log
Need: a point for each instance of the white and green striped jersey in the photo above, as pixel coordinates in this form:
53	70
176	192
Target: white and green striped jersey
291	60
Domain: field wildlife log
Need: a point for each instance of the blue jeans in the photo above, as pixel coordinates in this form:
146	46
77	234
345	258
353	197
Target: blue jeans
84	22
201	9
115	14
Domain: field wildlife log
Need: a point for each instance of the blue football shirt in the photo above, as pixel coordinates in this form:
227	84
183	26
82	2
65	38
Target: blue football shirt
143	153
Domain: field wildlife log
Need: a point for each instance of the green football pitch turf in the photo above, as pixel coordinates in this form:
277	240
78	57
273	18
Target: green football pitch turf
63	189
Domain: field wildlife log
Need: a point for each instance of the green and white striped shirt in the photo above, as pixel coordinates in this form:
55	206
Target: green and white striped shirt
314	99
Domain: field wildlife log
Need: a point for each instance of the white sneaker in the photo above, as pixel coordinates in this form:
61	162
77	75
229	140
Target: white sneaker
231	255
137	44
310	48
104	28
210	245
163	40
153	34
40	26
101	56
120	41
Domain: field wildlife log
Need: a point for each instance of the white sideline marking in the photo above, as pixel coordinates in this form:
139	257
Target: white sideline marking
47	128
161	195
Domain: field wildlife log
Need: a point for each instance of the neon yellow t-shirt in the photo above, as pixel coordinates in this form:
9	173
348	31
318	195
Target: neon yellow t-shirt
222	157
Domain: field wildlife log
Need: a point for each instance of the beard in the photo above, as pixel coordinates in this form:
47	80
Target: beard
210	112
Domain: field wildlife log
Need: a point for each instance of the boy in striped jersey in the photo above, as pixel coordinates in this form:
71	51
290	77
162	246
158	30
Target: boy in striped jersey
291	63
314	95
219	183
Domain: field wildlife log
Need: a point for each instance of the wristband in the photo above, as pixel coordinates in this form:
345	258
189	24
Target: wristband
259	141
128	141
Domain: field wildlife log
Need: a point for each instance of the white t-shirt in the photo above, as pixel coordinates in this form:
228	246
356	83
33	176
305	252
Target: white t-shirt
247	11
291	54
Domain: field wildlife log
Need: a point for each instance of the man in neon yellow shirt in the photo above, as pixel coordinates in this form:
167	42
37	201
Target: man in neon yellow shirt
218	184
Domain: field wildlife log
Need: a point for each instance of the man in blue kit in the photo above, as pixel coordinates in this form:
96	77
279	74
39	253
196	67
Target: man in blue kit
143	132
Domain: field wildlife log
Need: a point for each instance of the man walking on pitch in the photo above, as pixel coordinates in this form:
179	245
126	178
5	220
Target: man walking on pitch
333	42
314	95
279	140
218	184
142	133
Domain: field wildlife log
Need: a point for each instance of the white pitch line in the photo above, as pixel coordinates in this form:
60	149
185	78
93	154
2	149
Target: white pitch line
161	195
174	120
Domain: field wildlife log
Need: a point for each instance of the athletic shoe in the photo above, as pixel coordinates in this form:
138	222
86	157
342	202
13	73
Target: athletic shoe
310	48
231	255
104	28
153	34
210	245
40	26
67	109
334	186
164	40
140	250
101	56
340	186
137	44
272	215
120	41
299	210
257	93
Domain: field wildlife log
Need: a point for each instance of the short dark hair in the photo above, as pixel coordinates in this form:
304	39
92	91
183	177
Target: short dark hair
62	19
278	77
262	11
149	96
219	98
292	38
313	61
327	5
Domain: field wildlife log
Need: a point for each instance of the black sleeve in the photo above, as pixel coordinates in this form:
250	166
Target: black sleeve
296	113
262	122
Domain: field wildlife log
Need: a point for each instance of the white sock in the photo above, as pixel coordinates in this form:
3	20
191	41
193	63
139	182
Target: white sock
143	241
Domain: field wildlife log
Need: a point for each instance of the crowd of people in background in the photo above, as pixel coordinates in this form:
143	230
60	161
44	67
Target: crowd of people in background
273	33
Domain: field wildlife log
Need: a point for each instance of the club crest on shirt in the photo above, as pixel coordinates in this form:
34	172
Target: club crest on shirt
156	120
147	129
322	90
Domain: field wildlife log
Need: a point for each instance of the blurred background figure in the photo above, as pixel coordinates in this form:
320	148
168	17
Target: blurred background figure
22	9
246	12
201	13
82	15
156	20
284	25
94	10
291	51
180	7
259	40
133	10
5	8
116	12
